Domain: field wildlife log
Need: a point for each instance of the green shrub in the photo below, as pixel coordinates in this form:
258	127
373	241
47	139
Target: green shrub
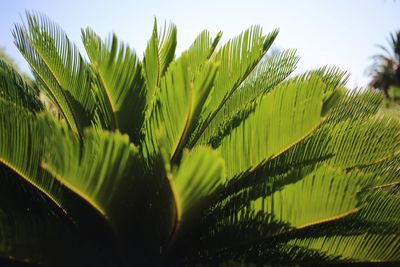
216	157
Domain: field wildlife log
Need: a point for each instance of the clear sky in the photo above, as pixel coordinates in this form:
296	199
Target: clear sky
343	33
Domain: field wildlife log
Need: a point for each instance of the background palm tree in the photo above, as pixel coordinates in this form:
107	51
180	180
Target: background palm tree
216	156
385	70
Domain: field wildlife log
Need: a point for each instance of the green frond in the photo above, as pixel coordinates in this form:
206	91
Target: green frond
284	117
121	85
329	193
177	108
167	45
115	180
356	105
237	59
385	172
238	193
366	234
362	143
200	173
333	222
383	206
272	189
25	139
266	75
13	88
369	235
58	66
348	144
103	156
332	77
159	54
22	145
193	184
372	248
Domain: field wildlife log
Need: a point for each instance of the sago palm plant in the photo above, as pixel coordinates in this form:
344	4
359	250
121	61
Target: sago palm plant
217	157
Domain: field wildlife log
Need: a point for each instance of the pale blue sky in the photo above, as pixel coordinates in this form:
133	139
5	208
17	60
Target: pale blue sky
336	32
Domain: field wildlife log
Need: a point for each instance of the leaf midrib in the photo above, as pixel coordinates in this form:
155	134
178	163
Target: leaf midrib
74	126
110	103
74	189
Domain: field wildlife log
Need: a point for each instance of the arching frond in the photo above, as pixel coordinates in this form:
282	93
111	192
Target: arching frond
115	180
367	236
25	139
339	236
385	172
333	77
23	144
103	156
121	85
237	58
159	54
198	176
243	101
255	187
182	95
328	193
356	105
372	248
283	117
58	66
347	144
363	143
